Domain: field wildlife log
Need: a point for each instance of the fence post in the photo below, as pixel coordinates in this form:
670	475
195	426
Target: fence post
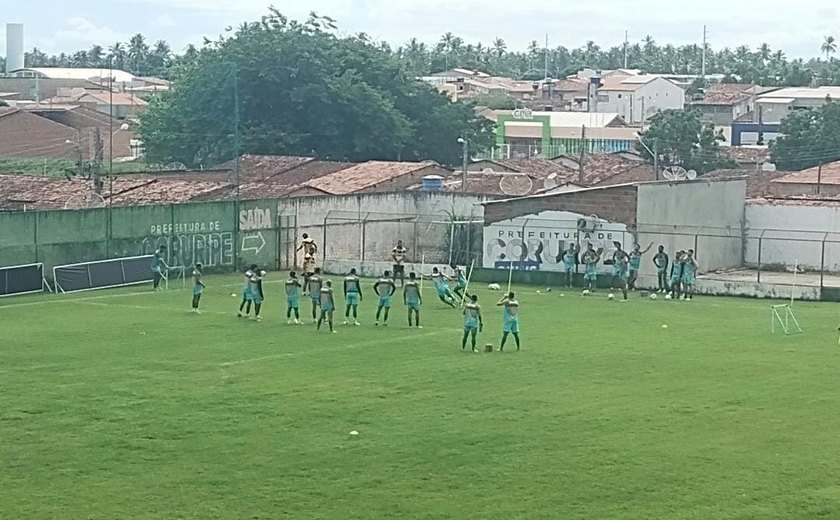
364	235
324	261
822	262
37	215
758	266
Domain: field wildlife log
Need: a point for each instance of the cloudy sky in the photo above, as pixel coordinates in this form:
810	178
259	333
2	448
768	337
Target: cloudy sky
797	28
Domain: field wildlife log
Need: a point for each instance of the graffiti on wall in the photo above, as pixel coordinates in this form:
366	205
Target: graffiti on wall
191	242
540	245
252	222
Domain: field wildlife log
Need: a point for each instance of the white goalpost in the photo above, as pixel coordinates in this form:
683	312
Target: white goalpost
782	316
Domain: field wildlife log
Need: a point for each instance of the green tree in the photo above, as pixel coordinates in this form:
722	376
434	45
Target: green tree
828	47
315	93
138	54
681	138
118	56
809	138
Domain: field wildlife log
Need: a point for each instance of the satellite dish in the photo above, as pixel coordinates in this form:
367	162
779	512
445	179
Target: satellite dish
87	200
691	175
175	166
674	173
487	171
516	185
550	182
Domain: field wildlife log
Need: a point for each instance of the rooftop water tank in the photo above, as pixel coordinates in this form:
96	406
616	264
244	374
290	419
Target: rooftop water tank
432	183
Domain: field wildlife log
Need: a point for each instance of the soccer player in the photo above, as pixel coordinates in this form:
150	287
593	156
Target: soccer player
510	317
308	271
689	273
661	260
398	254
623	275
412	299
460	283
293	299
570	258
676	275
618	256
198	287
257	295
441	282
315	284
352	296
308	245
635	262
590	260
384	288
473	323
246	292
158	266
327	306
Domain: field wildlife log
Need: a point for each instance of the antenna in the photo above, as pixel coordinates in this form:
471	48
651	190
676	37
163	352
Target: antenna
87	200
550	182
175	166
516	185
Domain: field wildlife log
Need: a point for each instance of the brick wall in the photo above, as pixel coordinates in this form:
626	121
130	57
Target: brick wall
616	204
28	135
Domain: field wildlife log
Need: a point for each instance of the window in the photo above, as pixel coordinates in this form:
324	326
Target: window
619	96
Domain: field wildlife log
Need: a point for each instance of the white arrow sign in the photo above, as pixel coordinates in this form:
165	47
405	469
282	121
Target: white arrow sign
254	242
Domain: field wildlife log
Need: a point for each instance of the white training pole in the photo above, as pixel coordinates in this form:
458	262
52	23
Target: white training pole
793	287
467	286
422	268
510	276
165	275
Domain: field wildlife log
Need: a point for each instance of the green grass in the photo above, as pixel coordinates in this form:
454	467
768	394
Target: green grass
120	404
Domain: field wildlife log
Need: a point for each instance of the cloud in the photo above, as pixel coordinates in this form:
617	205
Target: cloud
80	32
164	20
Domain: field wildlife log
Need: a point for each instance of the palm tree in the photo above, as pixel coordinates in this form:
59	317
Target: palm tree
118	56
499	47
764	52
95	56
829	46
138	53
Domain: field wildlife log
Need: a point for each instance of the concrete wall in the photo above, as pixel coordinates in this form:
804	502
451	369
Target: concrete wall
613	203
794	235
704	216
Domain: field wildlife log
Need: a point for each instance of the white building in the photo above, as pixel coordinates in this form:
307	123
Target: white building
776	105
637	98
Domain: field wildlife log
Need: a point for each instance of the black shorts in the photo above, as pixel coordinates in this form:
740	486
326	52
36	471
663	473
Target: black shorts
399	269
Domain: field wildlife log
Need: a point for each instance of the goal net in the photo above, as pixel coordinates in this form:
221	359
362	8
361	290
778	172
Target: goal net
103	274
22	279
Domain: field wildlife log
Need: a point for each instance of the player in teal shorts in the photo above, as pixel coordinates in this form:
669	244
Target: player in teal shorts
198	287
590	260
689	274
473	323
327	306
460	283
246	292
623	275
384	288
255	292
510	318
441	282
413	299
570	257
293	289
661	260
676	275
352	296
635	264
158	267
618	256
315	284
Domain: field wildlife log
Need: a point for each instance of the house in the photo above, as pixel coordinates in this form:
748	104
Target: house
518	165
774	106
25	134
637	98
371	176
820	180
100	76
88	122
724	103
526	133
607	169
120	105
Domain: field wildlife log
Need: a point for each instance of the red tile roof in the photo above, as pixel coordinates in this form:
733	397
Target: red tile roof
365	175
726	94
828	174
747	154
606	169
522	165
759	183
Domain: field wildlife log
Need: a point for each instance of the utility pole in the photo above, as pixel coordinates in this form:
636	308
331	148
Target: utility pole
465	149
236	116
656	159
546	61
582	153
626	44
703	66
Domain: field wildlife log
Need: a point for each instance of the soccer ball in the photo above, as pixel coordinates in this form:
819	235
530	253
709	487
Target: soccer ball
548	289
668	296
494	287
488	348
585	292
653	296
611	296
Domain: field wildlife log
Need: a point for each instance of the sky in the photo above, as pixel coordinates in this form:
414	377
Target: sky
796	28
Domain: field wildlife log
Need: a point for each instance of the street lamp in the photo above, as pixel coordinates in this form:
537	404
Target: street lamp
123	127
465	145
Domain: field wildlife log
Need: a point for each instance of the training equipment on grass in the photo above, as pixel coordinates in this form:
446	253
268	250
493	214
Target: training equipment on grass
103	274
668	296
23	279
548	289
510	276
611	296
494	287
422	270
488	348
585	292
783	314
467	286
653	296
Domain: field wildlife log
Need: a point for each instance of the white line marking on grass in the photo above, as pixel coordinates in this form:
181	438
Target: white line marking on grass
147	307
343	347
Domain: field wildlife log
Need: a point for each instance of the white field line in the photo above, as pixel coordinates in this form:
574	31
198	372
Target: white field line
185	310
338	349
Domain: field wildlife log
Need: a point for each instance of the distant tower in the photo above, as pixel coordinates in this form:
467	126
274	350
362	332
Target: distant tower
14	46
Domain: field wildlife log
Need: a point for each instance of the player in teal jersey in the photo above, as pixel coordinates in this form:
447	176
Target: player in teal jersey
256	294
352	297
570	258
623	274
590	259
676	275
689	274
384	288
158	267
327	306
473	323
293	289
661	260
441	282
413	299
510	318
618	256
315	284
634	264
246	292
460	283
198	287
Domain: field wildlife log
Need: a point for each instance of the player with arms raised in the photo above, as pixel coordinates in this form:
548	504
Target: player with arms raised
473	323
661	260
413	299
510	318
441	282
246	292
384	288
689	274
327	306
590	260
198	287
460	284
398	255
352	297
293	299
634	264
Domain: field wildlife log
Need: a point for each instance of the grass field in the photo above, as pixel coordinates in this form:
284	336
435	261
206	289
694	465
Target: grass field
120	404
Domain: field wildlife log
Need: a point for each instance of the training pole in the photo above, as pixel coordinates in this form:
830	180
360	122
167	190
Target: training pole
793	287
510	276
467	286
422	268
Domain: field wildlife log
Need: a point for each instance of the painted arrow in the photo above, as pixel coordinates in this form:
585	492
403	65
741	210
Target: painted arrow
254	243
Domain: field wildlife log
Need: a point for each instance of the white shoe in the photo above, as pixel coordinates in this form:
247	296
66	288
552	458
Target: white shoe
335	332
197	311
298	322
258	318
346	323
419	326
356	323
288	322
